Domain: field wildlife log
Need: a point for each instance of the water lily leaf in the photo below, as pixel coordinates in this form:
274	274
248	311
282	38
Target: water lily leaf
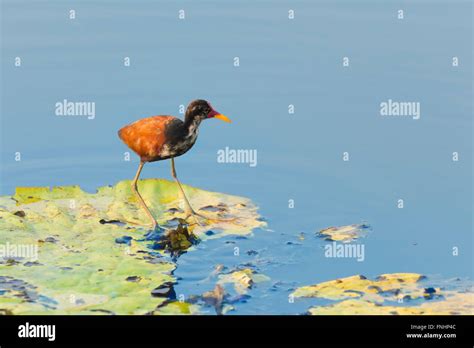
345	234
357	286
176	307
454	304
359	295
92	253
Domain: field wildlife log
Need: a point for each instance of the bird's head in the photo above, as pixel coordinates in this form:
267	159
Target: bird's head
199	110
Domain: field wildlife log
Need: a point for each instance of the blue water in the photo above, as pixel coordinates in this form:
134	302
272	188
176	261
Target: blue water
282	62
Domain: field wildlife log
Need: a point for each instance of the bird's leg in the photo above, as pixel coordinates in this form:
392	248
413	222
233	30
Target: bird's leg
189	211
140	199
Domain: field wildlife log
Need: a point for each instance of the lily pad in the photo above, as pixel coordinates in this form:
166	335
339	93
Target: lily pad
84	270
453	304
176	307
393	285
396	293
345	234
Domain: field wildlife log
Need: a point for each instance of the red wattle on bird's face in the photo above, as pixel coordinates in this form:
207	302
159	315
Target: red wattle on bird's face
212	113
216	114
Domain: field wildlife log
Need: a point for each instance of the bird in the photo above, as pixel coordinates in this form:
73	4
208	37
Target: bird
163	137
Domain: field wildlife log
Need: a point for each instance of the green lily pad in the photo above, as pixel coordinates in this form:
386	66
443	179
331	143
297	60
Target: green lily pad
91	253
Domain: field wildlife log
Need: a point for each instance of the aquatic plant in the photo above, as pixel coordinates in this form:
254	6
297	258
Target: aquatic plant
93	254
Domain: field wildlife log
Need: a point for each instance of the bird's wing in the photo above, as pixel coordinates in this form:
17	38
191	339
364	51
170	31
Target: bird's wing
147	136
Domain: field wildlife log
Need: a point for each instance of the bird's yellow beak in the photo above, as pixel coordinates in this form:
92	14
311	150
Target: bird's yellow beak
223	118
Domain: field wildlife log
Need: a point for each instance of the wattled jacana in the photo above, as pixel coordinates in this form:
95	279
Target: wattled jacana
158	138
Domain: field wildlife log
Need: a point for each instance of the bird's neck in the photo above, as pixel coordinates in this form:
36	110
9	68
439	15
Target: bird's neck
191	126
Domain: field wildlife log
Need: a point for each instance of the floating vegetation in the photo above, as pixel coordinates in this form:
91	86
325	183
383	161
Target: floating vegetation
94	252
215	298
345	234
218	299
176	307
454	304
242	279
177	240
396	293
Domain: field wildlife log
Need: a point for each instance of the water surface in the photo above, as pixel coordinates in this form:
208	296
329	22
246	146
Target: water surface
282	62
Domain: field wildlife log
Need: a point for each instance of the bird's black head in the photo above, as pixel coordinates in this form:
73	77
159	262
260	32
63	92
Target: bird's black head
200	109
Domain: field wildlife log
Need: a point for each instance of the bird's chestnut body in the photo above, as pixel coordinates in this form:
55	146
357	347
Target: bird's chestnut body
161	137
